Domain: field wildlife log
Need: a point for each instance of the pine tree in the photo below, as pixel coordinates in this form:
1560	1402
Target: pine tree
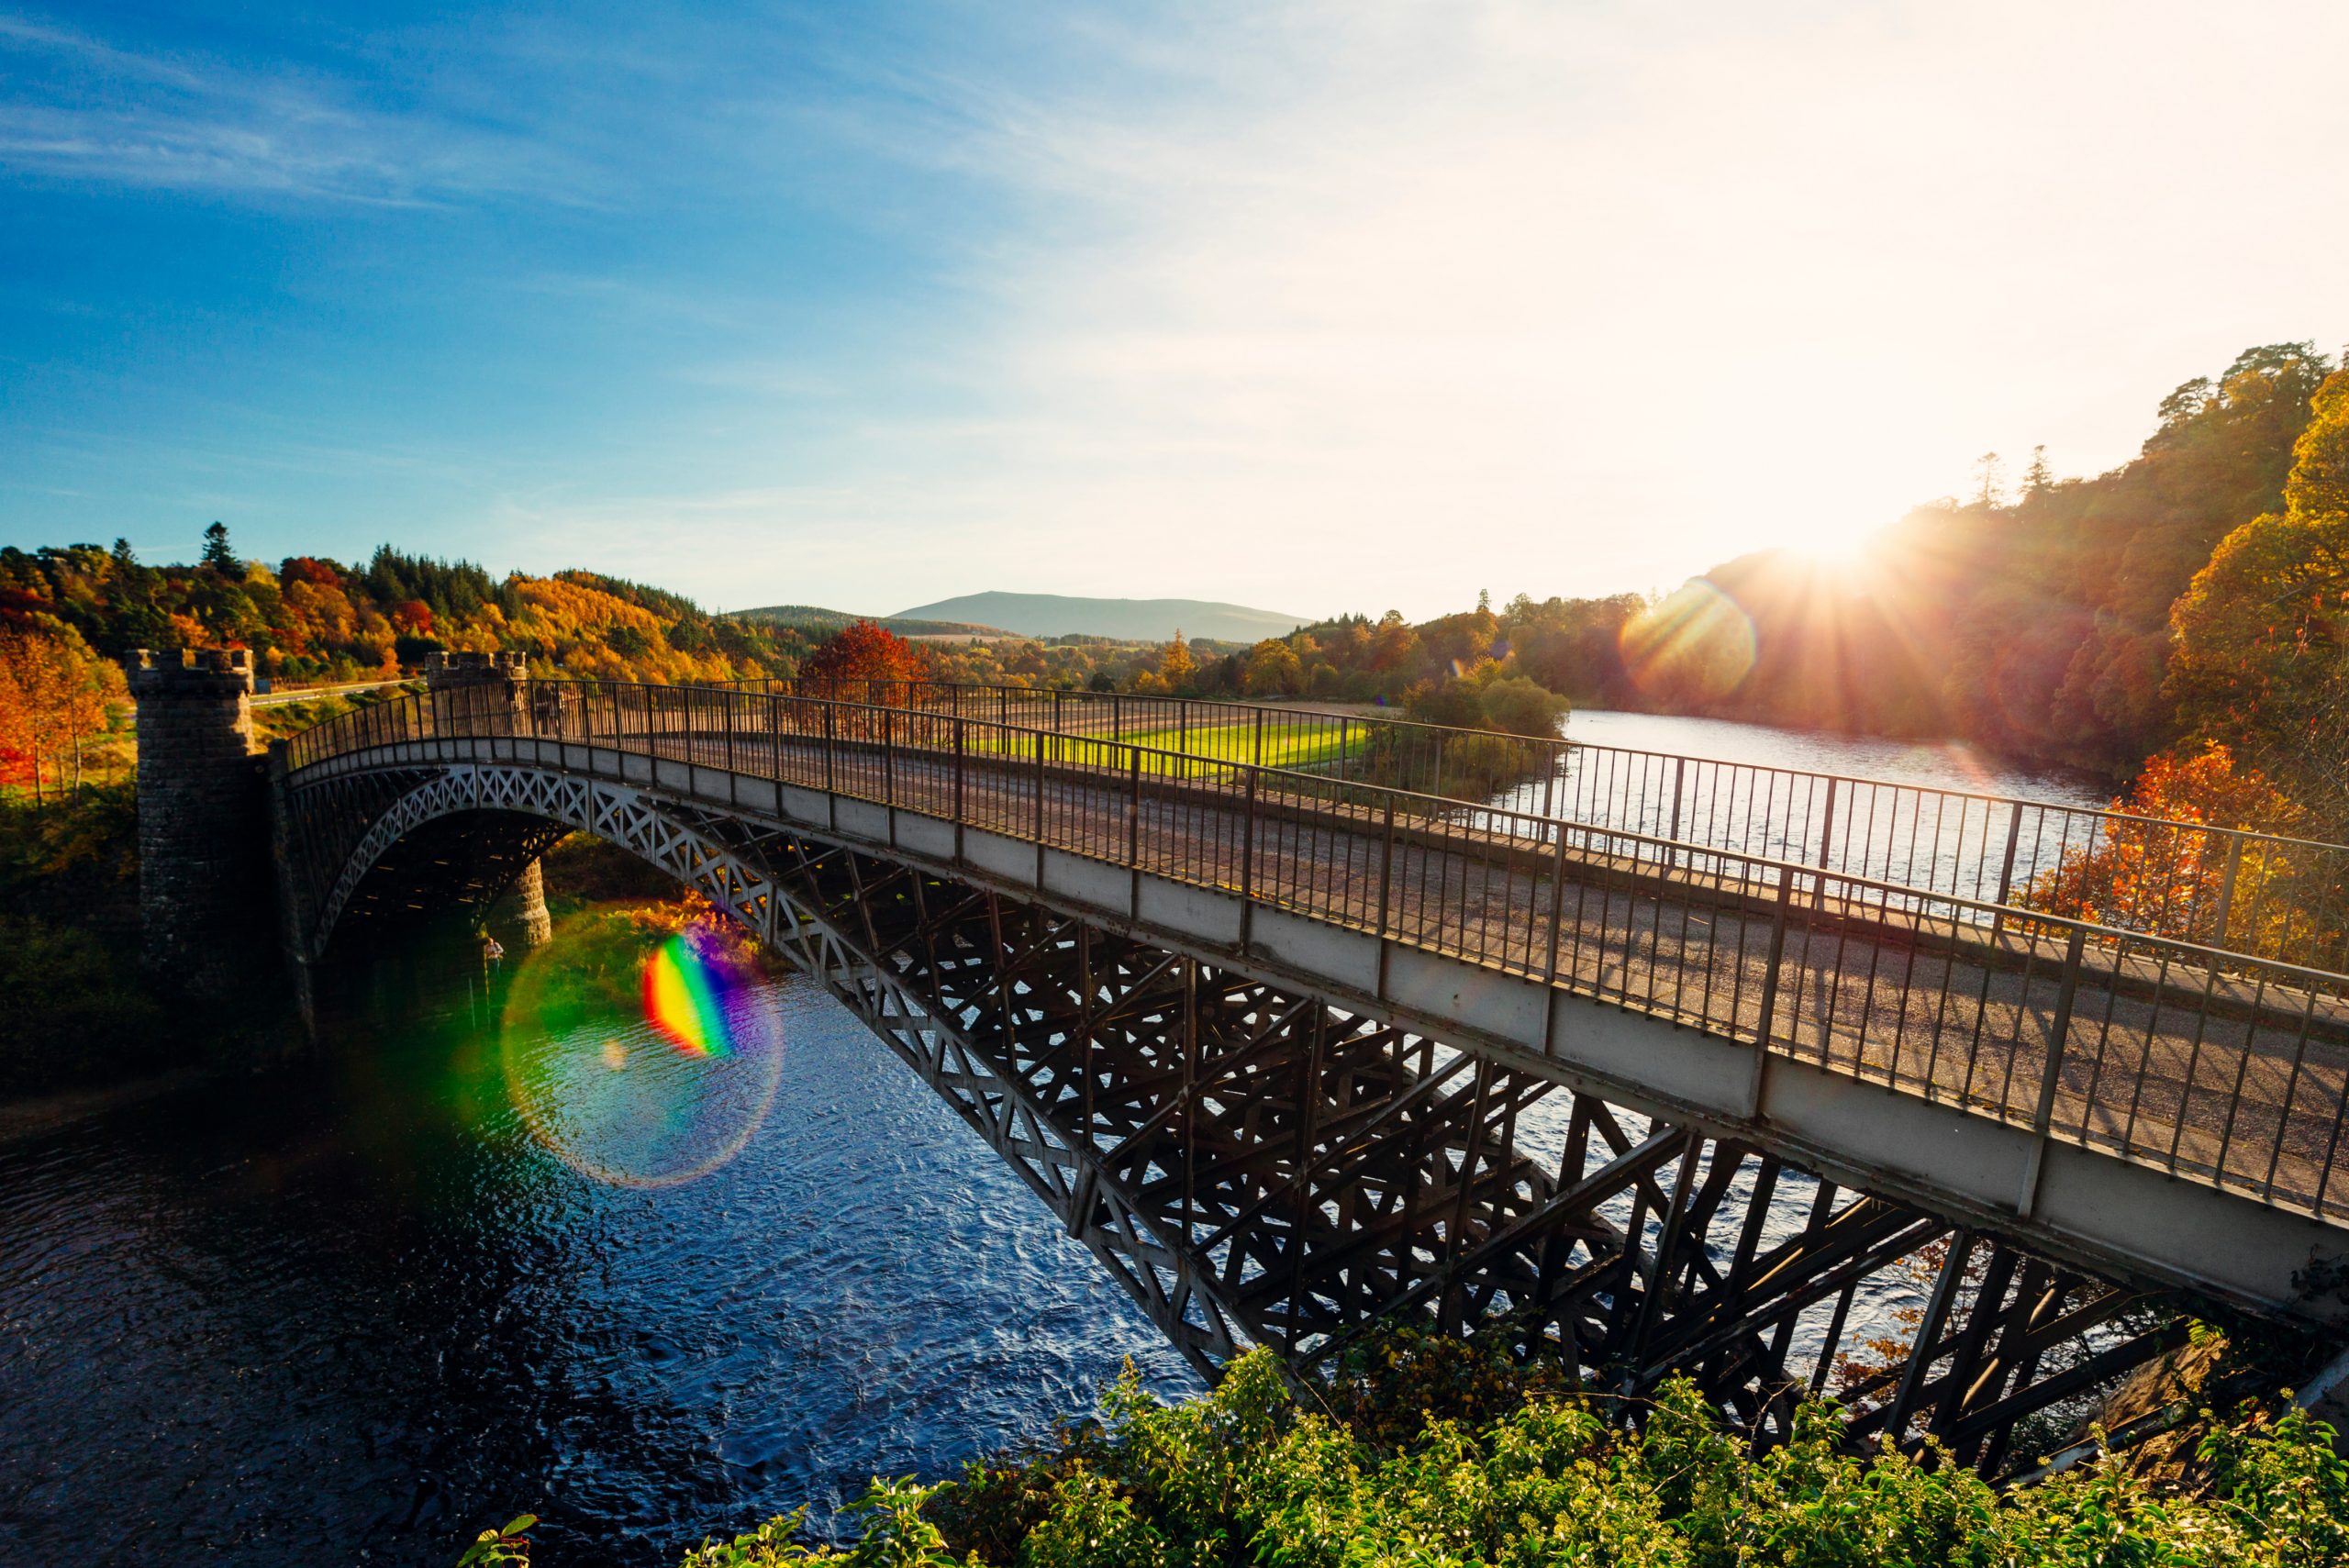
216	553
2038	479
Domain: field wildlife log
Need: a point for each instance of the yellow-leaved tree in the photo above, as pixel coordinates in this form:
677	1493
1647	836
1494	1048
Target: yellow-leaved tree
1175	665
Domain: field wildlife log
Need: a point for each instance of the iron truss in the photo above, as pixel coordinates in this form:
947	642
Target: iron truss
1256	1165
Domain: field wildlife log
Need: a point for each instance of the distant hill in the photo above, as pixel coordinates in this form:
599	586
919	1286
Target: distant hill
1139	620
815	617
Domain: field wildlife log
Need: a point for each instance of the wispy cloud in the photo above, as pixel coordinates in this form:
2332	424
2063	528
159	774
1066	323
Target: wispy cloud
77	108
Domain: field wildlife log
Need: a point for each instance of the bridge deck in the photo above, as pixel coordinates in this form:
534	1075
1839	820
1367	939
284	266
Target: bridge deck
2255	1100
2220	1069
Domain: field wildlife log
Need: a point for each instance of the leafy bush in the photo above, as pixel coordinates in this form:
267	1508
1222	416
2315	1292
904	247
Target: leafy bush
1522	707
1247	1475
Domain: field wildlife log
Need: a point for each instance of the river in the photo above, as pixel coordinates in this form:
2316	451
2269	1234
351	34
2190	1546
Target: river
354	1314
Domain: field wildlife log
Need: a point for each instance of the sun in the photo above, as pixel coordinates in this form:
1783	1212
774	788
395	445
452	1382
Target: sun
1840	546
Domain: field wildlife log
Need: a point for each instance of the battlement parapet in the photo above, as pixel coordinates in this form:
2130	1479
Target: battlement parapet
444	670
223	673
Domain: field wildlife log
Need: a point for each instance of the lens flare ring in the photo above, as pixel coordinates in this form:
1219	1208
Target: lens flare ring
654	1102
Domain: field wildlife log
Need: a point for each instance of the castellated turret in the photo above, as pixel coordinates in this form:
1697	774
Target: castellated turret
204	900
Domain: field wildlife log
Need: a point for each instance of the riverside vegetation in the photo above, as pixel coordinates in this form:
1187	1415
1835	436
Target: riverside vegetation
1433	1452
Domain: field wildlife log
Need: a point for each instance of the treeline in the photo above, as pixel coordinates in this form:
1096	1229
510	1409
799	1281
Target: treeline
311	619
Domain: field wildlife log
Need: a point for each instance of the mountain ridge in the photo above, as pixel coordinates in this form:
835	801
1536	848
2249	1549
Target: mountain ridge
1150	620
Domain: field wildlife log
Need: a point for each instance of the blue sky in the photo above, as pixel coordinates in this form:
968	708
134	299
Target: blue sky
1317	307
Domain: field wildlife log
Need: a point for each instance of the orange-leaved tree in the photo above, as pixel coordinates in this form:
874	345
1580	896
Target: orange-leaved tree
869	663
2157	870
54	694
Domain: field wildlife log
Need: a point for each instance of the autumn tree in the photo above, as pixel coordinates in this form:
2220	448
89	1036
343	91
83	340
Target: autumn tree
1273	670
2262	632
2147	873
54	693
866	652
1175	665
1392	645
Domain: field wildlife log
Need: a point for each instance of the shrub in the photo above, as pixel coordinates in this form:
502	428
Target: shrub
1523	708
1246	1474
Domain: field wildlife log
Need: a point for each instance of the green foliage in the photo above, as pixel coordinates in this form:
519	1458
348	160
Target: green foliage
1457	703
1500	1469
506	1545
1520	706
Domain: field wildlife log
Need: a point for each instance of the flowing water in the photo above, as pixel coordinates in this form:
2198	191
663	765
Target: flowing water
463	1272
358	1315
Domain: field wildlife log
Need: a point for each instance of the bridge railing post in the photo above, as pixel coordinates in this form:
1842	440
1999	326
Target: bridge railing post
1248	839
1827	833
1039	735
1386	867
1679	779
1773	969
1133	808
888	758
2227	891
831	726
2051	1080
2059	1029
959	816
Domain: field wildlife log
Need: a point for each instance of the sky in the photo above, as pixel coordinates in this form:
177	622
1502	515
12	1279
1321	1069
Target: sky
1315	307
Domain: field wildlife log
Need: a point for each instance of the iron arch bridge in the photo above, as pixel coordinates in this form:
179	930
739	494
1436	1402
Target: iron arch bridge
1295	1050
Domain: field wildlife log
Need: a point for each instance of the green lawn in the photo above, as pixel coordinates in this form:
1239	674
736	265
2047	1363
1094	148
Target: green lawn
1214	742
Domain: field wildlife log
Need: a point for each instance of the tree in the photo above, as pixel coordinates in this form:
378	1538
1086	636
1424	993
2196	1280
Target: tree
2261	632
1392	645
54	693
2145	875
864	650
1273	670
1175	665
2038	479
216	553
1522	707
1989	481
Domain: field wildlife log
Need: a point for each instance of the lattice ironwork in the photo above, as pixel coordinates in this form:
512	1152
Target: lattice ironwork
1254	1164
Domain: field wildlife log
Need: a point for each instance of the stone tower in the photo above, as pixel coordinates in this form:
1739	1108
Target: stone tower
205	898
479	686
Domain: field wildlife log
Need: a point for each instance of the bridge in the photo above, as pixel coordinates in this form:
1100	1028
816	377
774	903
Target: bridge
1655	1062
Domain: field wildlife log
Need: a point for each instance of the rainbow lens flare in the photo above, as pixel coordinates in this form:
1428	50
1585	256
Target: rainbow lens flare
649	1097
685	999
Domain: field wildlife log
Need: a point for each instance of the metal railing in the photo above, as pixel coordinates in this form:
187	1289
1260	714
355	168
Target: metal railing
2221	1066
2260	894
